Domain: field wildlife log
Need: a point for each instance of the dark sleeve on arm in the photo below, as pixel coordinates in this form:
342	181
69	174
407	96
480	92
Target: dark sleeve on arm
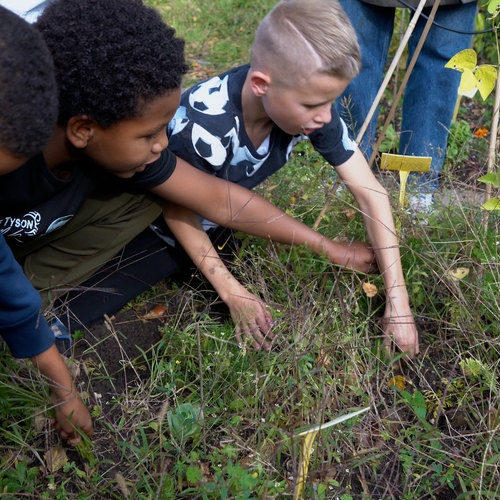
333	141
22	324
155	173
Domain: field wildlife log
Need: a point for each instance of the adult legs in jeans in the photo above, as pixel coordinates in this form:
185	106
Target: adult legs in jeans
431	92
374	27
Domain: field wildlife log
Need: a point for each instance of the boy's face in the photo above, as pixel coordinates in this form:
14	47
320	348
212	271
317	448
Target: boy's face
130	145
8	162
304	108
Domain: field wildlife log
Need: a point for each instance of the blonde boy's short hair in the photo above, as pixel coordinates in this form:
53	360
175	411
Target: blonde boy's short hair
300	38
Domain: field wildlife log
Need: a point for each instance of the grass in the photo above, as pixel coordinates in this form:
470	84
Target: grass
195	416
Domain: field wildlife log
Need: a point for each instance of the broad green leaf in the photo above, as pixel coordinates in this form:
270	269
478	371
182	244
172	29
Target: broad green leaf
486	76
493	178
465	59
492	204
419	400
493	6
193	474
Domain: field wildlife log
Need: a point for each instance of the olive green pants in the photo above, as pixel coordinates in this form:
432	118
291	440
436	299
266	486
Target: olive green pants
100	229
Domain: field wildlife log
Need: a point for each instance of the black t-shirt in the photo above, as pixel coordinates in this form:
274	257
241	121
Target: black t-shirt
34	202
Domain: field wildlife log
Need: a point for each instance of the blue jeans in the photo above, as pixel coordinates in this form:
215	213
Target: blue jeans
431	93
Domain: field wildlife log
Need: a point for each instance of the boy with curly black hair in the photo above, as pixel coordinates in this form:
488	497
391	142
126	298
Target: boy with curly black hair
88	200
28	112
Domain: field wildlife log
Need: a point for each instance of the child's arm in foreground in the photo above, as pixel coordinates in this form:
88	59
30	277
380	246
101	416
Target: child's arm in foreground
373	203
27	334
257	217
249	313
70	410
236	207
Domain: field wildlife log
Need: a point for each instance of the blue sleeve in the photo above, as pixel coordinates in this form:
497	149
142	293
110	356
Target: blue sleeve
22	324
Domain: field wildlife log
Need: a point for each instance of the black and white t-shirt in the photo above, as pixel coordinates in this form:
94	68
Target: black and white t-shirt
208	132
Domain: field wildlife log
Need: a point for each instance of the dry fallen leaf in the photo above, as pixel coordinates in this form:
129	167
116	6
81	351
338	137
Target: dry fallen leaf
122	484
56	458
323	359
370	289
39	423
350	213
155	313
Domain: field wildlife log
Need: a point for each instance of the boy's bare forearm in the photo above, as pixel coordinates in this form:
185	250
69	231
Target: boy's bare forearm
251	318
235	207
373	202
52	367
70	410
189	232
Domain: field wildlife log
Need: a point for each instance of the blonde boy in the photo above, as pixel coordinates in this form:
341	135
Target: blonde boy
243	125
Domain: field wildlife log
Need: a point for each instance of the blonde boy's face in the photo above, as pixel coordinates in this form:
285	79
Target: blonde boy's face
306	107
8	162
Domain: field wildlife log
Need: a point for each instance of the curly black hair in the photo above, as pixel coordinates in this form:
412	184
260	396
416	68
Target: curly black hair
111	57
28	90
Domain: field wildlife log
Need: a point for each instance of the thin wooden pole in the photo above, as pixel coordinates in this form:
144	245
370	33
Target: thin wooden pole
492	152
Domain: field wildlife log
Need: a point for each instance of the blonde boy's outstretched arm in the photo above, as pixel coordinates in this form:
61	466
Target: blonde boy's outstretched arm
71	413
235	207
251	318
373	202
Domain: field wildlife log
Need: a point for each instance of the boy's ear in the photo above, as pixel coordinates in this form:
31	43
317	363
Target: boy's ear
79	130
259	83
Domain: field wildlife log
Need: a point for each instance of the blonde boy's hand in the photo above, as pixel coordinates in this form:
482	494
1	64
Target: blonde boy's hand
399	326
70	413
355	255
251	318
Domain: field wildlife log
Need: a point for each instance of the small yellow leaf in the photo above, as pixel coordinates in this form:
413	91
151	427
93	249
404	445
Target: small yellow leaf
56	458
486	76
468	83
397	381
370	289
465	59
459	273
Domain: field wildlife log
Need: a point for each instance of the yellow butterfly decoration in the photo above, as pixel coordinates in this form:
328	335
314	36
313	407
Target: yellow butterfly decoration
474	78
459	273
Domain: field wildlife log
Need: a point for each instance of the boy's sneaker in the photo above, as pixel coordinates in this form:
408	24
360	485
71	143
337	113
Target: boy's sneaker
64	342
421	203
